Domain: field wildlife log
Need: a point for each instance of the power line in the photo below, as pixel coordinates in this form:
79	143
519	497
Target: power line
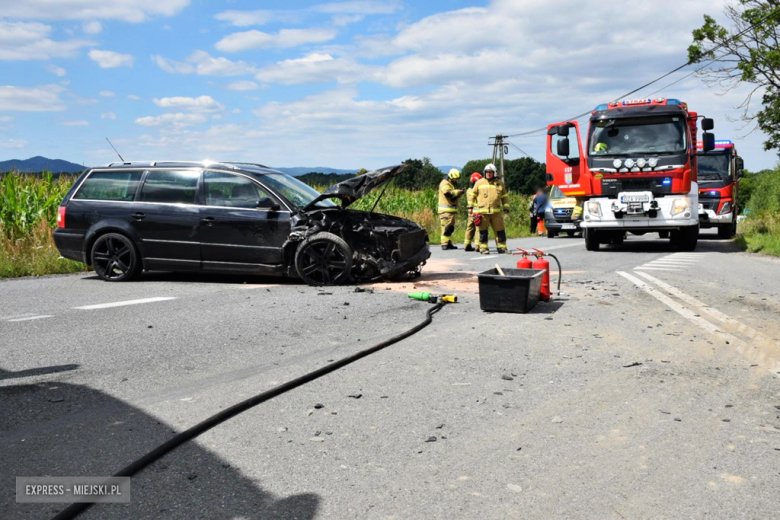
659	78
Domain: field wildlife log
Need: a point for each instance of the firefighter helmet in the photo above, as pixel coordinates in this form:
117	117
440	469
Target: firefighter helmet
489	168
475	176
453	174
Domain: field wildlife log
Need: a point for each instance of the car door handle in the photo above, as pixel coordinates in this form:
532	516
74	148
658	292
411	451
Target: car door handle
207	220
138	216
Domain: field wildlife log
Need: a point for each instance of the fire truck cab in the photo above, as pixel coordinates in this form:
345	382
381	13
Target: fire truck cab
719	173
636	171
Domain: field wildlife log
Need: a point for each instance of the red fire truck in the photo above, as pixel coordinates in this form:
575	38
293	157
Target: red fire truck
637	171
719	173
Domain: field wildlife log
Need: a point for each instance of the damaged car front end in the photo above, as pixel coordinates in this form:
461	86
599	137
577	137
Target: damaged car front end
330	244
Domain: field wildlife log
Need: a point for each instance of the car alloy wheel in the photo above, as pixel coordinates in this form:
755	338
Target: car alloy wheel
323	259
114	258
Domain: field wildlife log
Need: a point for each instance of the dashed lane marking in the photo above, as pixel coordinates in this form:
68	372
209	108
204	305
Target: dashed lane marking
673	262
127	302
32	318
657	268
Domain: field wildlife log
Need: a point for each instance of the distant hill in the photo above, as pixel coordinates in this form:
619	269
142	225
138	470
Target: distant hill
39	164
300	170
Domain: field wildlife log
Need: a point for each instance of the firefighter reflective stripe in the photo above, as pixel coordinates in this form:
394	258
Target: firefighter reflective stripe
448	197
447	227
496	221
469	193
489	196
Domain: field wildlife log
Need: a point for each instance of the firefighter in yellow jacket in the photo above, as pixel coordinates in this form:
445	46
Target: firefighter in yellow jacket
471	229
490	199
448	207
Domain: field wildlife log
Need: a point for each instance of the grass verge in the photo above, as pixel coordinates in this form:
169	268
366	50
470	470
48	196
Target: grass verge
34	255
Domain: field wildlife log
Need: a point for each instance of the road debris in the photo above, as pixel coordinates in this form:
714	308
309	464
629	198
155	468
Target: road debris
507	377
557	419
634	364
319	406
514	487
56	399
431	439
355	396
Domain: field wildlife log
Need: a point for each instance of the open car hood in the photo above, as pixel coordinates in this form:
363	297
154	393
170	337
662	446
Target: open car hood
352	189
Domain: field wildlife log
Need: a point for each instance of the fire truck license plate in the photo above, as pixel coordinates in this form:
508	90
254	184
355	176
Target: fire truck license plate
635	198
568	226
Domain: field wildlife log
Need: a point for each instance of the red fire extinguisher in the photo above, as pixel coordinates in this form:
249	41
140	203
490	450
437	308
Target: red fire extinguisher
541	263
524	262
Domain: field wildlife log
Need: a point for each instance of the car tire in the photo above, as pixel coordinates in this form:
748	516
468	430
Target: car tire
591	240
617	240
323	259
551	233
115	258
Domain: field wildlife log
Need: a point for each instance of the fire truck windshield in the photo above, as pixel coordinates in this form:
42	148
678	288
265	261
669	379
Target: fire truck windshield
714	168
640	135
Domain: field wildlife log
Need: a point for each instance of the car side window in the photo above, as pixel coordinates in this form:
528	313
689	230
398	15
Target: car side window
234	191
172	187
109	186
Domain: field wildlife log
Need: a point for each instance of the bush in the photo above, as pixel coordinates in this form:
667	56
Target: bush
760	232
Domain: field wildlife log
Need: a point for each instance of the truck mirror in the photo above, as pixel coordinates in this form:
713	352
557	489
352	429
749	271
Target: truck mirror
740	174
563	131
740	164
707	124
563	147
708	141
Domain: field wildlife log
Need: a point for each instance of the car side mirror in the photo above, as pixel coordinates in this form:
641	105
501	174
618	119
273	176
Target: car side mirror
563	130
268	203
707	141
563	147
707	124
740	174
740	164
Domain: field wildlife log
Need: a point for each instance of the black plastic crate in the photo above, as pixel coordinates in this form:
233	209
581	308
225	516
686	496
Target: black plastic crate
517	292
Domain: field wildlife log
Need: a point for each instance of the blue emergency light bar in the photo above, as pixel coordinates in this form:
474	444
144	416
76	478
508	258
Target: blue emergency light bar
667	180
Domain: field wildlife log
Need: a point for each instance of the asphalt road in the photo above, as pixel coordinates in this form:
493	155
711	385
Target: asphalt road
648	389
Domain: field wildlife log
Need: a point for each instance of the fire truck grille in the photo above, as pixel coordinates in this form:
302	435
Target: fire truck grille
709	204
611	187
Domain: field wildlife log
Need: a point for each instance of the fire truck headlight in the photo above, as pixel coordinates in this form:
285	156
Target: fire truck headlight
629	163
679	205
617	163
652	162
725	209
594	208
641	163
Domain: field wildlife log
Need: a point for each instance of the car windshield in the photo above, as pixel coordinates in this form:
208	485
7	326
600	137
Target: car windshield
295	191
714	167
641	135
556	193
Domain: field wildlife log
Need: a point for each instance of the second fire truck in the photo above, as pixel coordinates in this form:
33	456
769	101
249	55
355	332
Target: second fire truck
719	173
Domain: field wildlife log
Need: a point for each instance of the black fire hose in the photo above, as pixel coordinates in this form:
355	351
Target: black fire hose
75	509
559	272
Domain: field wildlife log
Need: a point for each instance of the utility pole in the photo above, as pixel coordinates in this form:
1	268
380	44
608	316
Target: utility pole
499	150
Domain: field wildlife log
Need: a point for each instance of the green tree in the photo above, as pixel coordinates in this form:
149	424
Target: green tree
748	52
419	175
522	175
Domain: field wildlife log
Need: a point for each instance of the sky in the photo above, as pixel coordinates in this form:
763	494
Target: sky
344	84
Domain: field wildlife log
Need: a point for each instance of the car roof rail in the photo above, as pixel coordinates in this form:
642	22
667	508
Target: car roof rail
249	164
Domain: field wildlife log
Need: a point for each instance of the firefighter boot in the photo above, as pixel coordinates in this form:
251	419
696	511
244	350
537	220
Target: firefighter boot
469	248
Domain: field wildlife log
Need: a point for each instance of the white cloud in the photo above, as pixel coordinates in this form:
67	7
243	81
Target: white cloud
14	143
108	115
111	59
203	64
341	20
57	71
93	27
198	104
133	97
236	111
258	17
127	10
313	68
360	7
76	123
44	98
285	38
241	86
175	120
6	119
107	93
29	41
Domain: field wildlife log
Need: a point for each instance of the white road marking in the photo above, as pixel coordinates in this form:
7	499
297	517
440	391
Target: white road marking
33	317
483	257
128	302
562	246
657	268
740	346
715	313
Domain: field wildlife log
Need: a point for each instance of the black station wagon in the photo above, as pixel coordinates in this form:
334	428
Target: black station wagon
232	218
